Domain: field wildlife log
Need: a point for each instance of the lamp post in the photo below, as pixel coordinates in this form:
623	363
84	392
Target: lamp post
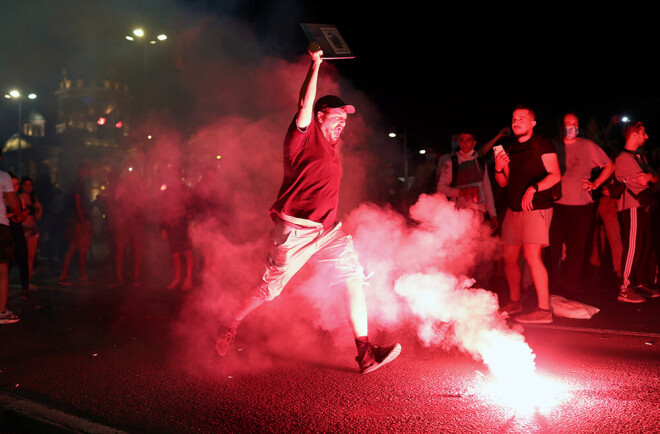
139	34
405	157
16	95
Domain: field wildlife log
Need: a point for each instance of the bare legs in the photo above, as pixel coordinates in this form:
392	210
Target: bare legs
176	268
4	286
357	307
82	258
32	244
356	300
532	254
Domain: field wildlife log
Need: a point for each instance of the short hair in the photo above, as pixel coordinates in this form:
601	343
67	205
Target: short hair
12	174
467	132
526	107
630	128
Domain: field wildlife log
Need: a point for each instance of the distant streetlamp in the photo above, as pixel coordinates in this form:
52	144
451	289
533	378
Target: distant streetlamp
140	34
405	156
15	94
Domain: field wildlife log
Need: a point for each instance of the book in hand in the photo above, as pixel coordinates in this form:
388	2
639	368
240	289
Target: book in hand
329	39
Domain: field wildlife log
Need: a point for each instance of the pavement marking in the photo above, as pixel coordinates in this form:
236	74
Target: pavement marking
49	417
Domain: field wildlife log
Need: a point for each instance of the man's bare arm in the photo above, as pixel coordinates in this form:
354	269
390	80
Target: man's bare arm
11	200
308	90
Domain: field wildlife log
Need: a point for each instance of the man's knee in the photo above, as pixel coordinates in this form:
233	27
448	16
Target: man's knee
532	254
511	255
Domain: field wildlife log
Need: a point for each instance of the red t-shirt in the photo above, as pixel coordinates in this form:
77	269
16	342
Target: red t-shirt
312	173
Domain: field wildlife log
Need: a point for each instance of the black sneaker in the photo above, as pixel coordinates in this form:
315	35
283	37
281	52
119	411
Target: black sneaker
223	342
375	357
647	291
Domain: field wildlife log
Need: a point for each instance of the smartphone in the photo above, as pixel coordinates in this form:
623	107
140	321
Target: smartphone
497	149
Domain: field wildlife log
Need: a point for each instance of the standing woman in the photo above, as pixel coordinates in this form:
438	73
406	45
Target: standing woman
35	211
20	245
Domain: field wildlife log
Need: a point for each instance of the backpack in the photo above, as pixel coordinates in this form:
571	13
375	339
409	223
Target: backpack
616	188
481	164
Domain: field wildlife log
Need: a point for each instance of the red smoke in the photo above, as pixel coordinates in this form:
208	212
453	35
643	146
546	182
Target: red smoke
420	267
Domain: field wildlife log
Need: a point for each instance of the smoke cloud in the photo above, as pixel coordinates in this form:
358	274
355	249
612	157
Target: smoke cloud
223	171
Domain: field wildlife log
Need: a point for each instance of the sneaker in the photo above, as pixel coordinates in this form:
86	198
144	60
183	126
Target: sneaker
512	308
646	291
628	295
537	316
375	357
117	283
223	342
7	317
84	281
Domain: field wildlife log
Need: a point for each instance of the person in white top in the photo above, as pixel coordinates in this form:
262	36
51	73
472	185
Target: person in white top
6	244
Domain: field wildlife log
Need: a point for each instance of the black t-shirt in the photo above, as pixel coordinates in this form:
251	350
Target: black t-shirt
526	168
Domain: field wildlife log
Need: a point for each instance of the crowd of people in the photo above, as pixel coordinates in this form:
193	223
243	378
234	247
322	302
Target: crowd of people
558	205
587	228
579	207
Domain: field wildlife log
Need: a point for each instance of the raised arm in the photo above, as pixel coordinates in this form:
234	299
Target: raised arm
506	131
308	90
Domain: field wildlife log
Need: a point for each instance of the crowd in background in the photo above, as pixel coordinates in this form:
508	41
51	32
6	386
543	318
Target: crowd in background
60	226
590	251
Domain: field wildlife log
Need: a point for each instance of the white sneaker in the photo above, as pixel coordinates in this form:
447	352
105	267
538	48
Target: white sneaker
7	317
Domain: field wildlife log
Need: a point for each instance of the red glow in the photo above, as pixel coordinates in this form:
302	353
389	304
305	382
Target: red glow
526	394
101	121
119	124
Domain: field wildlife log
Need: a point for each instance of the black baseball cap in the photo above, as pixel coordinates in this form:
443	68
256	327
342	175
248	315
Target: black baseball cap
332	101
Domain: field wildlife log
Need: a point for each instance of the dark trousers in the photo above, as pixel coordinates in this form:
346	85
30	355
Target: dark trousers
636	236
21	254
570	225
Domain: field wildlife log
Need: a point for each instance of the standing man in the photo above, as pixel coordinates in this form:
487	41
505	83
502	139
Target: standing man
7	243
633	170
464	179
305	218
79	230
530	168
573	214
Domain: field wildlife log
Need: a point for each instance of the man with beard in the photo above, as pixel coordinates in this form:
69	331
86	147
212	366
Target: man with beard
529	167
305	219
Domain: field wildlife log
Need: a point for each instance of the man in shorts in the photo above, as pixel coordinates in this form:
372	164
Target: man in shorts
7	243
529	168
305	218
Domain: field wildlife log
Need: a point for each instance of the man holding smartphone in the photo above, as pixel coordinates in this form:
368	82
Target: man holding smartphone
529	167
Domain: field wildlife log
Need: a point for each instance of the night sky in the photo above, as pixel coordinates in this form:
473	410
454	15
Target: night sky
428	71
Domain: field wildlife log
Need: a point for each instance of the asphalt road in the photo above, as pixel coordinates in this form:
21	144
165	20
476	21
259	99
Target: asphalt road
96	359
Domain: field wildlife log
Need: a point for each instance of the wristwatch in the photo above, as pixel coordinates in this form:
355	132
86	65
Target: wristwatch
536	188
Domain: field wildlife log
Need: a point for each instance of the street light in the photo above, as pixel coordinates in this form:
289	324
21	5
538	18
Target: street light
405	156
16	94
139	33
